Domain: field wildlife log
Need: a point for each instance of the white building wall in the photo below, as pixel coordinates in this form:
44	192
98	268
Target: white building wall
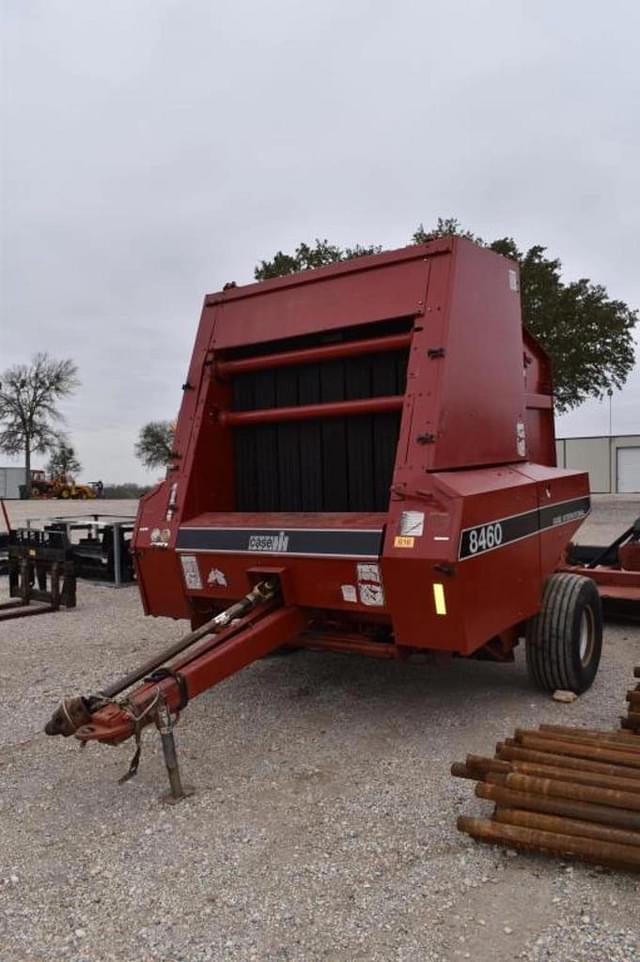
625	463
613	463
10	481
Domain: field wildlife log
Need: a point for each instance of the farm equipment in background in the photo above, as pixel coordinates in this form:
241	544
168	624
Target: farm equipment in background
63	487
40	568
102	552
364	462
615	569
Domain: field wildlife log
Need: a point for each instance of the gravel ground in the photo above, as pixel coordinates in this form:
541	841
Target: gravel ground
323	824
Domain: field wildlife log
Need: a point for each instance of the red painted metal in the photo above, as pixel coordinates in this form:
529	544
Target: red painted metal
478	515
211	663
5	515
458	461
304	412
612	583
327	352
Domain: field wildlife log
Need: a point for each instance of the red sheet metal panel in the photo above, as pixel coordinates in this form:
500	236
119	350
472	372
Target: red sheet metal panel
362	291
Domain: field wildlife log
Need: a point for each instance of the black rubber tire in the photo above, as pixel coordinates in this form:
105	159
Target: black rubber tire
570	607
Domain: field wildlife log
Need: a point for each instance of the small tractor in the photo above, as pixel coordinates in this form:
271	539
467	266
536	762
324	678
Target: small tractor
364	462
62	487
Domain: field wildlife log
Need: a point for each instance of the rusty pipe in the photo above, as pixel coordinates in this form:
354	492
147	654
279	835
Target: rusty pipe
549	805
580	738
481	763
623	856
593	733
581	750
481	766
460	770
515	753
566	826
630	725
580	793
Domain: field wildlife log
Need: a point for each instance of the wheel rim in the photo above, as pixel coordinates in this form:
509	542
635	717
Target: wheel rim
587	636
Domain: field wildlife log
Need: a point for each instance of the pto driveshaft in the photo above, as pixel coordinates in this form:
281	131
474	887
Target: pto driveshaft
236	644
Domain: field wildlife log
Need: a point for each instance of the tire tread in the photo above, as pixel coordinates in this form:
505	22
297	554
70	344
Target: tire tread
550	641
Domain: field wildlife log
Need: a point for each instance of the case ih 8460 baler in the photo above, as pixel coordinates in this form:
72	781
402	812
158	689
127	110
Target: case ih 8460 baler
364	462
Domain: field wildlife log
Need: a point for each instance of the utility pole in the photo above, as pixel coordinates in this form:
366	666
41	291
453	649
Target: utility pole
610	396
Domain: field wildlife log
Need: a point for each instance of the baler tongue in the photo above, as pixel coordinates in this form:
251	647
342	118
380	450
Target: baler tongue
247	630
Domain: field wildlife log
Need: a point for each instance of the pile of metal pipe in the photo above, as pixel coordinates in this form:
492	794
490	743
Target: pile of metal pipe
631	721
568	792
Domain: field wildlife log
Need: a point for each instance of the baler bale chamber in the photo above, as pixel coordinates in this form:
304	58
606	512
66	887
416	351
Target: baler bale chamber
377	436
364	461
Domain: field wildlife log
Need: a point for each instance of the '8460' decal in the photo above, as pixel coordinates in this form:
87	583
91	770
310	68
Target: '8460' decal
485	537
503	531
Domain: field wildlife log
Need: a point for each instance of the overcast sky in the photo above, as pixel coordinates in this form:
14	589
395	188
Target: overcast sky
154	149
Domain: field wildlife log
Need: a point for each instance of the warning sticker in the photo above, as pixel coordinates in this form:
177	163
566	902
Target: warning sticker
217	577
371	594
402	541
349	593
369	573
191	572
412	523
370	590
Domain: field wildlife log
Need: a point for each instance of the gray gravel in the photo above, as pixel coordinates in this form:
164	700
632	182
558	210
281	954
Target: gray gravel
323	825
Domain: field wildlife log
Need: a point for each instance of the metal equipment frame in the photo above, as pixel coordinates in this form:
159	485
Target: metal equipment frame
40	570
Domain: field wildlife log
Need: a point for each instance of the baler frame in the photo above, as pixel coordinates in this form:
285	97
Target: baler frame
375	441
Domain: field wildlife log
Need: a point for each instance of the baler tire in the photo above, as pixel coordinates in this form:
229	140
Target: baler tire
564	640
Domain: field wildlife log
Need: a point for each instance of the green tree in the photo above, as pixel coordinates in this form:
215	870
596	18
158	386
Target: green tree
155	443
63	460
29	394
445	226
306	257
126	490
588	335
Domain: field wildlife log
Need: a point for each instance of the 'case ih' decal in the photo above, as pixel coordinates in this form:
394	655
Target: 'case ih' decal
496	534
320	542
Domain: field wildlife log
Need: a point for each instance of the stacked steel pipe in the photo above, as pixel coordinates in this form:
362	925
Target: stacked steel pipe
631	722
570	792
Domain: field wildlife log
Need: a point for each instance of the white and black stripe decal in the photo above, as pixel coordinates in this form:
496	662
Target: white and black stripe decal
503	531
321	542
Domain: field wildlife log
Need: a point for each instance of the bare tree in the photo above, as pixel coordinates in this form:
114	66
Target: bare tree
28	406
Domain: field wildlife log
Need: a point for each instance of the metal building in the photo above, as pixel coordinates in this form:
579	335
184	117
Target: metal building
613	463
10	481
